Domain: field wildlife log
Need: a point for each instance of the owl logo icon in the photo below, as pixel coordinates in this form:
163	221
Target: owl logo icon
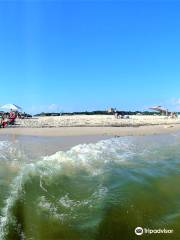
138	231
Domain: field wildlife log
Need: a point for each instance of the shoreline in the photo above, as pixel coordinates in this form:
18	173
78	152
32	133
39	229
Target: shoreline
92	131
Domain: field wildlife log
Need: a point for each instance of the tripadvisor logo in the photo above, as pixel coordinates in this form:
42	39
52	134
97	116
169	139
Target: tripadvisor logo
139	231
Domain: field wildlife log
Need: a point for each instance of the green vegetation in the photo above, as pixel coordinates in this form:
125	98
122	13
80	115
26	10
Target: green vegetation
97	112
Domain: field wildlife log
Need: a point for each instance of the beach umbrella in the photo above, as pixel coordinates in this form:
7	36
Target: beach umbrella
158	108
11	106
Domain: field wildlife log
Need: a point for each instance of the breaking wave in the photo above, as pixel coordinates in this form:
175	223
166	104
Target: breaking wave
80	192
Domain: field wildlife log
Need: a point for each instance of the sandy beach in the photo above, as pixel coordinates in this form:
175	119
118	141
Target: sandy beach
95	121
90	131
93	125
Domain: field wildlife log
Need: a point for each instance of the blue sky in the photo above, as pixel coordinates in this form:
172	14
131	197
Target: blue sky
88	55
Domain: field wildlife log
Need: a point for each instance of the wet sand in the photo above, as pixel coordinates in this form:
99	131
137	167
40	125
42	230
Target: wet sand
92	131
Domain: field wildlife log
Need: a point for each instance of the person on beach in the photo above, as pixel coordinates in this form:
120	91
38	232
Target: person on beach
3	122
174	115
12	117
11	114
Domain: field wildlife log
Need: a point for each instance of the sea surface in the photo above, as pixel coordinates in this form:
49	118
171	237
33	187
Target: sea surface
98	191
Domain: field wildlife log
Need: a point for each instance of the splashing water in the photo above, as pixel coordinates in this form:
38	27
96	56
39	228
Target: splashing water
94	191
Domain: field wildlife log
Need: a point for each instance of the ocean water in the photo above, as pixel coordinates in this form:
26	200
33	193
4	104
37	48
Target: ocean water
99	191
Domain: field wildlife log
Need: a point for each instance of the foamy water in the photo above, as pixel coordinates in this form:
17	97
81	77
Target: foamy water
93	191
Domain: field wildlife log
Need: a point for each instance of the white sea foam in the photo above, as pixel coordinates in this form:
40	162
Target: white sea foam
92	158
11	152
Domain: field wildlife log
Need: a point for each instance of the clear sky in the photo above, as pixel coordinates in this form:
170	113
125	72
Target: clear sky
88	55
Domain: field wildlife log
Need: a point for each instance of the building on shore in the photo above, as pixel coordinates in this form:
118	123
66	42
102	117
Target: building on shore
111	110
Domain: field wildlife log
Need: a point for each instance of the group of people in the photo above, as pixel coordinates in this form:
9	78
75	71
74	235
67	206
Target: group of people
173	115
120	115
8	119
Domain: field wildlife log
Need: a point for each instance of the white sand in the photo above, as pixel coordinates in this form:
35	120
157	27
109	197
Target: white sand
93	125
95	121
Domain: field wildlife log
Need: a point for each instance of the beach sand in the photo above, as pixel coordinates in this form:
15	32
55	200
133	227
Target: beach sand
95	121
72	130
92	131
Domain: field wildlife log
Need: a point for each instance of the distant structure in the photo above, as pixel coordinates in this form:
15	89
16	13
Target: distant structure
111	110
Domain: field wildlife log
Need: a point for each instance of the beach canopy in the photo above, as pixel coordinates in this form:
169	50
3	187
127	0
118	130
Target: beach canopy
11	106
158	108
